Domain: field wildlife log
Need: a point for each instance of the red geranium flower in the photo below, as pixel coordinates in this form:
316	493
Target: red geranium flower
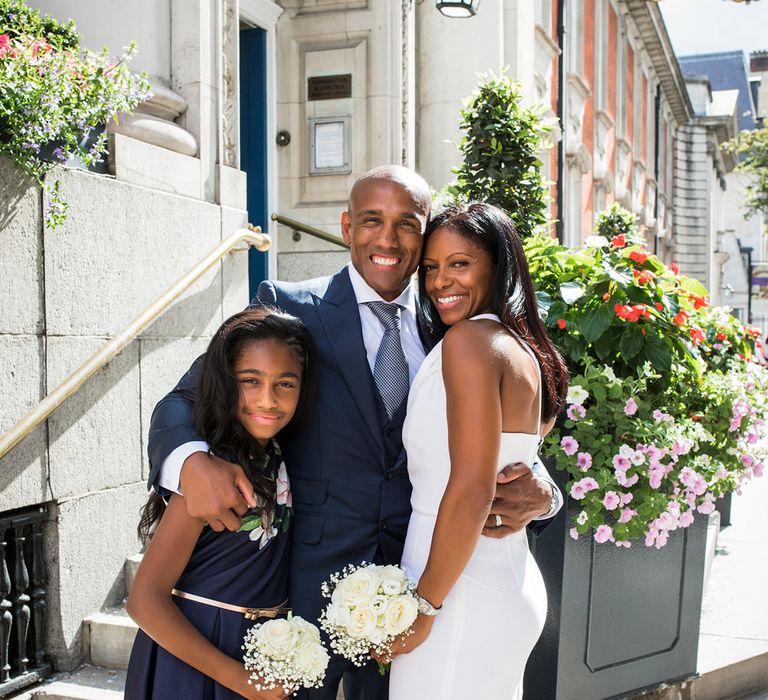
698	302
561	323
619	241
680	318
606	296
639	256
5	45
622	311
697	335
643	276
721	336
659	306
674	268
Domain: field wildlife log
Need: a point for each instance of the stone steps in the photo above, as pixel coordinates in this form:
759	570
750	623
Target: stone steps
86	683
108	638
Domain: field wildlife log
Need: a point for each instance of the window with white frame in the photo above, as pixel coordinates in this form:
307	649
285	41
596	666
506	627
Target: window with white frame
601	54
621	81
544	14
575	36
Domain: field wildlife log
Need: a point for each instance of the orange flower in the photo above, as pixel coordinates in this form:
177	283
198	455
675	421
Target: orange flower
659	306
561	323
680	319
721	336
639	256
619	241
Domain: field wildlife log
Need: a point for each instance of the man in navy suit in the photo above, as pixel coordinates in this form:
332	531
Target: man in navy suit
347	466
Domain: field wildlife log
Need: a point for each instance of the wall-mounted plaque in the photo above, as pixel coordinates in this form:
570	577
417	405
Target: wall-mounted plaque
329	87
329	146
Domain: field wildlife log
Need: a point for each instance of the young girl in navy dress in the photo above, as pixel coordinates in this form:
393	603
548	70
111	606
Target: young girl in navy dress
195	586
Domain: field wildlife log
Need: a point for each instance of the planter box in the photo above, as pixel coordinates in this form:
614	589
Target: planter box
619	619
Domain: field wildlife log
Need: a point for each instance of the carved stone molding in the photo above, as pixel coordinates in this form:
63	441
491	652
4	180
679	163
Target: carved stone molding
638	188
604	126
154	121
650	202
577	94
228	118
623	151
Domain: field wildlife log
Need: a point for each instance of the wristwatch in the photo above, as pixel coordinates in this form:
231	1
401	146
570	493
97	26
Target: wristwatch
426	608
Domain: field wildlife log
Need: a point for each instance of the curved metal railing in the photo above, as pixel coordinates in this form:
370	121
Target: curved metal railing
252	236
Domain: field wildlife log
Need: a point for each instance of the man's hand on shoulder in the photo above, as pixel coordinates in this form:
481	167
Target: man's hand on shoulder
520	497
216	491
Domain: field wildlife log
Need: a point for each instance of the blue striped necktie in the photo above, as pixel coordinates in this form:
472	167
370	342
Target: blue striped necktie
391	368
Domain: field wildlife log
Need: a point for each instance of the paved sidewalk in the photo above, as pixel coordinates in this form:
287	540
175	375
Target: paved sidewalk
733	641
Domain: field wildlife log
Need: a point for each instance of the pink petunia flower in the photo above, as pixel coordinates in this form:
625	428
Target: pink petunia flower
630	408
604	533
611	500
574	533
626	515
569	445
621	463
576	411
584	460
686	518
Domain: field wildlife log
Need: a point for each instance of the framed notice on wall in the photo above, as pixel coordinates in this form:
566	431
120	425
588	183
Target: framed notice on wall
329	146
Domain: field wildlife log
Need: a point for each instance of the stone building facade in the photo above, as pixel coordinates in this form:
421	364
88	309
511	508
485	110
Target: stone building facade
265	107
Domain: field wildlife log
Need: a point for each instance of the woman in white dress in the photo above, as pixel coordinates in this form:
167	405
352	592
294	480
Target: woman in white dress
482	398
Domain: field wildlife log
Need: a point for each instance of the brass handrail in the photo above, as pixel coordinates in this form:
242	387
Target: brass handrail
310	230
252	235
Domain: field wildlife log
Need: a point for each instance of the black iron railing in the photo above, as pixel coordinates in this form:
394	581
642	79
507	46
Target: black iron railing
23	601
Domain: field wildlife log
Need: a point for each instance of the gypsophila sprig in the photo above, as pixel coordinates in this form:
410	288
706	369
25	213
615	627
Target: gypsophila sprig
53	93
286	653
370	606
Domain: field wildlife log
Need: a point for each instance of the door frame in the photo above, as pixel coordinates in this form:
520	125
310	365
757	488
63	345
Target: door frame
265	15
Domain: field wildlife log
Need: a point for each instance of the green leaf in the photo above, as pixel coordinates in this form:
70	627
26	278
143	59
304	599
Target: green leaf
249	522
659	354
631	343
604	346
595	323
571	292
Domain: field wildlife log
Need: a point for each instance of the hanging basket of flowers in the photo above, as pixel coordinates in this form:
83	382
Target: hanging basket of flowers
56	97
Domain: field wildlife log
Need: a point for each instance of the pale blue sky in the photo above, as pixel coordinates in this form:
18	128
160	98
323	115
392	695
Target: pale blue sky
707	26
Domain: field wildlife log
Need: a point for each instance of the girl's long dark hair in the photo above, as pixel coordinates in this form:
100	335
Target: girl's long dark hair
514	297
218	397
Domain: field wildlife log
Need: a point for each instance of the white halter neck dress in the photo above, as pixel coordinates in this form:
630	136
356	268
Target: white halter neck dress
493	615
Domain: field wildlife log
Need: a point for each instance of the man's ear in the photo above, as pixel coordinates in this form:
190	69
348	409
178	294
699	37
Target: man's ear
346	227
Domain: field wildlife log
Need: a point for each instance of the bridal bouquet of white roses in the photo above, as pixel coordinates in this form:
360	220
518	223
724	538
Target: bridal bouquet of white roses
370	606
286	652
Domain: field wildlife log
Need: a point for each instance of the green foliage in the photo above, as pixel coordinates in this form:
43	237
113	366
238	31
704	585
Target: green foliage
657	374
752	147
500	148
52	94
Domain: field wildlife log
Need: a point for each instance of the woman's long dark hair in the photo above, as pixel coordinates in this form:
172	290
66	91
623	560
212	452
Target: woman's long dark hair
218	396
514	297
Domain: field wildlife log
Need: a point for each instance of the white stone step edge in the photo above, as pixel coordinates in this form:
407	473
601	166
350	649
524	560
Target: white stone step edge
130	568
108	638
86	683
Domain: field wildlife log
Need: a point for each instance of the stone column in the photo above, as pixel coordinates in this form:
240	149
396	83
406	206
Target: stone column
451	53
520	44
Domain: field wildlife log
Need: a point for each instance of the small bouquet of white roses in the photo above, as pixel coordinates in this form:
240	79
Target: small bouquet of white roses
370	606
286	652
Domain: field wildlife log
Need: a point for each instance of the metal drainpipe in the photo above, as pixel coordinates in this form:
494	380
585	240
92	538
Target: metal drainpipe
560	185
656	157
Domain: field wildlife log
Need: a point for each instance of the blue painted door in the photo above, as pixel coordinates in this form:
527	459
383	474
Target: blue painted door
253	140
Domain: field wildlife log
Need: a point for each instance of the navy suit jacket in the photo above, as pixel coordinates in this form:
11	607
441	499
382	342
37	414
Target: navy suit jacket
351	497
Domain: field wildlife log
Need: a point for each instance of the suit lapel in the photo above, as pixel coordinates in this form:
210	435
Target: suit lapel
341	321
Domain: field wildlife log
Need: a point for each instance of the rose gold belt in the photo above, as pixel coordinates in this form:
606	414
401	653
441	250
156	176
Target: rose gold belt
249	613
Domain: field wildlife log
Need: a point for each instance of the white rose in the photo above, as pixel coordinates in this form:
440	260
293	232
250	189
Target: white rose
359	587
311	660
577	394
400	614
379	603
277	637
376	636
362	621
393	580
337	615
307	631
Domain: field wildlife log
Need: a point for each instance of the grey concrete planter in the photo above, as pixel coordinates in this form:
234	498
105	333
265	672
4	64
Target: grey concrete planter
619	619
